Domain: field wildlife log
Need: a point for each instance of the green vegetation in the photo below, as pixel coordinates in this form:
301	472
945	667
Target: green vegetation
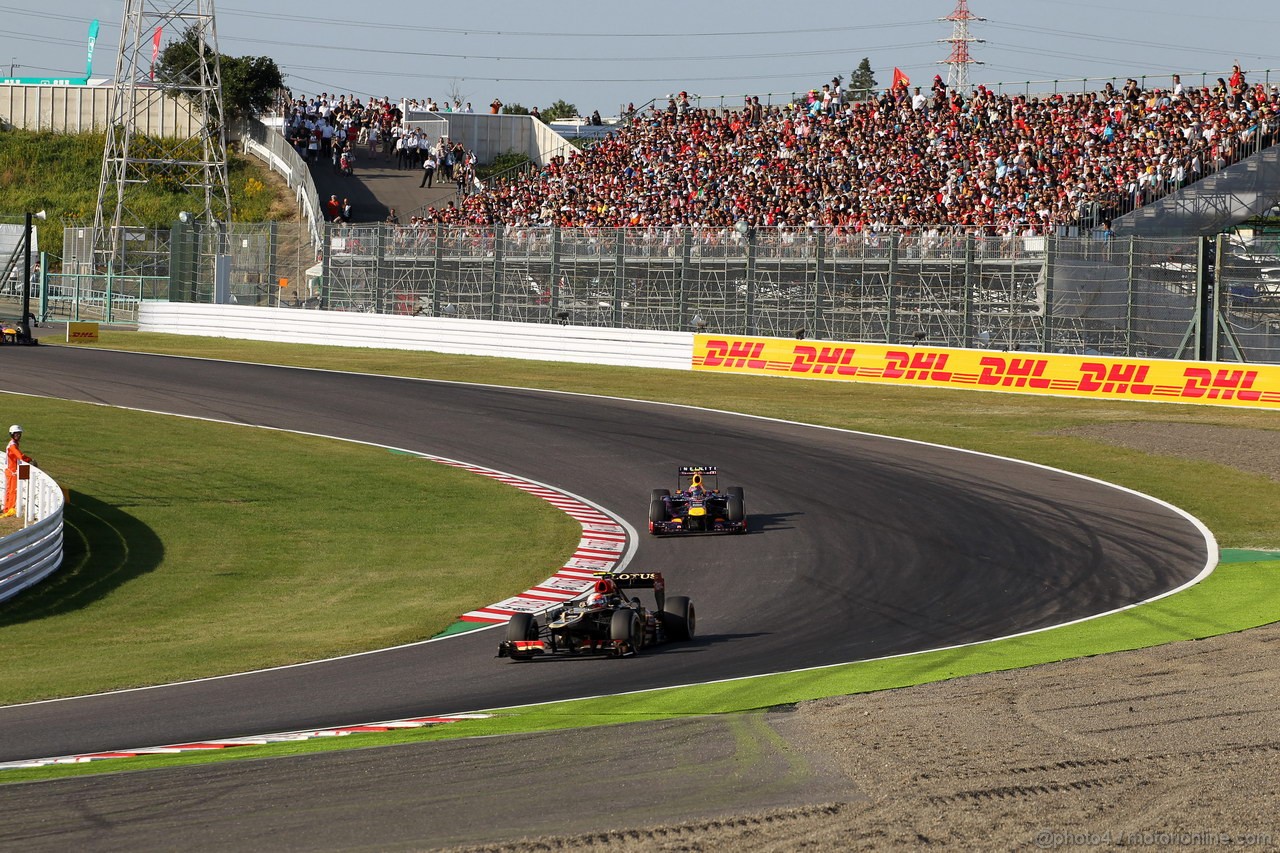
196	548
59	173
862	82
502	163
560	109
140	606
250	84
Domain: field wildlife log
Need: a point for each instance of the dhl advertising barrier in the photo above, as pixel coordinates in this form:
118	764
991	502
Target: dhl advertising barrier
82	333
1245	385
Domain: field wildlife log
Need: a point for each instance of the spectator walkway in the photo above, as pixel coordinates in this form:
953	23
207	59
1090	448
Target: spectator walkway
377	186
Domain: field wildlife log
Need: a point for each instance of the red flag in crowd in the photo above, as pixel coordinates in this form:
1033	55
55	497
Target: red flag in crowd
900	79
155	51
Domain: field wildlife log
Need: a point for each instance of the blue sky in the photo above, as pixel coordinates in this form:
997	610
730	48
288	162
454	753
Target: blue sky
604	55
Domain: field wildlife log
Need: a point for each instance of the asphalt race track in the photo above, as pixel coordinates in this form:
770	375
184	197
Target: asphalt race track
860	546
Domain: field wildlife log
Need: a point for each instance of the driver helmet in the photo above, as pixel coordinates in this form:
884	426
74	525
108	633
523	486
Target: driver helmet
595	600
696	490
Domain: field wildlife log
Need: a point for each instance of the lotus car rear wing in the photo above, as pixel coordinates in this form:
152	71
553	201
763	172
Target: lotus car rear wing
639	580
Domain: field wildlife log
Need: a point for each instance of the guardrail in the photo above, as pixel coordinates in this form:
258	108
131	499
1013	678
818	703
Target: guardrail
35	552
272	148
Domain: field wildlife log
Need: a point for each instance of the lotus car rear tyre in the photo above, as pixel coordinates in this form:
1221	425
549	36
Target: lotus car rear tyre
679	618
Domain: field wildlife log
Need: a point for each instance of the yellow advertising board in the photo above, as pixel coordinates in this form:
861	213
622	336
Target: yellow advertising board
1222	384
82	333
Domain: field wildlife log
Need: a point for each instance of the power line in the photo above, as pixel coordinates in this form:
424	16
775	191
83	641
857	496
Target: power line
666	35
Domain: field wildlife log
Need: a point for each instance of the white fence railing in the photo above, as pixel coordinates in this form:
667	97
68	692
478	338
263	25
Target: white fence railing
269	146
35	552
458	336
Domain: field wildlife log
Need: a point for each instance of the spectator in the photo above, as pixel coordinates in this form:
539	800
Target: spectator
15	456
995	164
495	106
999	164
333	209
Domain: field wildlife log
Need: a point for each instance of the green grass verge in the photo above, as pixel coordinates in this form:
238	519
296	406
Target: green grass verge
195	548
57	172
1239	508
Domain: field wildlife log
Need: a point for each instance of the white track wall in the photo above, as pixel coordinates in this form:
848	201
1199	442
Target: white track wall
34	552
537	341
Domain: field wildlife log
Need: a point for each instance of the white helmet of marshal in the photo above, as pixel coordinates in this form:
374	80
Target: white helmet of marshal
15	428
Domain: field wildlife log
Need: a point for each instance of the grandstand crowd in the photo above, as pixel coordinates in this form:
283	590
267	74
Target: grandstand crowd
985	161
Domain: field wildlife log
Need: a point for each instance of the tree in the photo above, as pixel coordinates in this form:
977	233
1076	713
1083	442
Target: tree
514	110
455	94
559	110
862	82
249	83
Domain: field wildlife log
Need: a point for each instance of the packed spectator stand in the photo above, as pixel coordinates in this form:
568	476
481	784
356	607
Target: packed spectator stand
986	162
999	163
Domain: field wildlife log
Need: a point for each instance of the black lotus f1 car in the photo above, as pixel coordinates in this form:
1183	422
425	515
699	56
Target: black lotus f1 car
697	505
605	622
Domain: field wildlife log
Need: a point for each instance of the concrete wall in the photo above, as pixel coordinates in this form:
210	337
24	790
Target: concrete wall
490	135
80	109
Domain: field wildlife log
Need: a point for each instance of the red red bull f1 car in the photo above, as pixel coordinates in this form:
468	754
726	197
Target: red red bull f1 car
697	505
605	622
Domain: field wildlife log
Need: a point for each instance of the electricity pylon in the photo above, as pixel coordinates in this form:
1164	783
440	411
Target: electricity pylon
142	147
960	59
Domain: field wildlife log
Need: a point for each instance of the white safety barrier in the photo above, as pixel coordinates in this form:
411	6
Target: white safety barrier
35	552
539	341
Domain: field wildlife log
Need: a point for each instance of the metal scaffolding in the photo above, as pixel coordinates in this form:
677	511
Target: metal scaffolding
194	161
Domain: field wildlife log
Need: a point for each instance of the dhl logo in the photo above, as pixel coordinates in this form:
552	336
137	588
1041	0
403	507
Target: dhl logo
83	336
1203	383
735	354
917	366
823	360
1013	372
1115	378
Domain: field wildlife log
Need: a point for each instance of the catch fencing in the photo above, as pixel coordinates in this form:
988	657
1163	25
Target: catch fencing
1085	295
1091	294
